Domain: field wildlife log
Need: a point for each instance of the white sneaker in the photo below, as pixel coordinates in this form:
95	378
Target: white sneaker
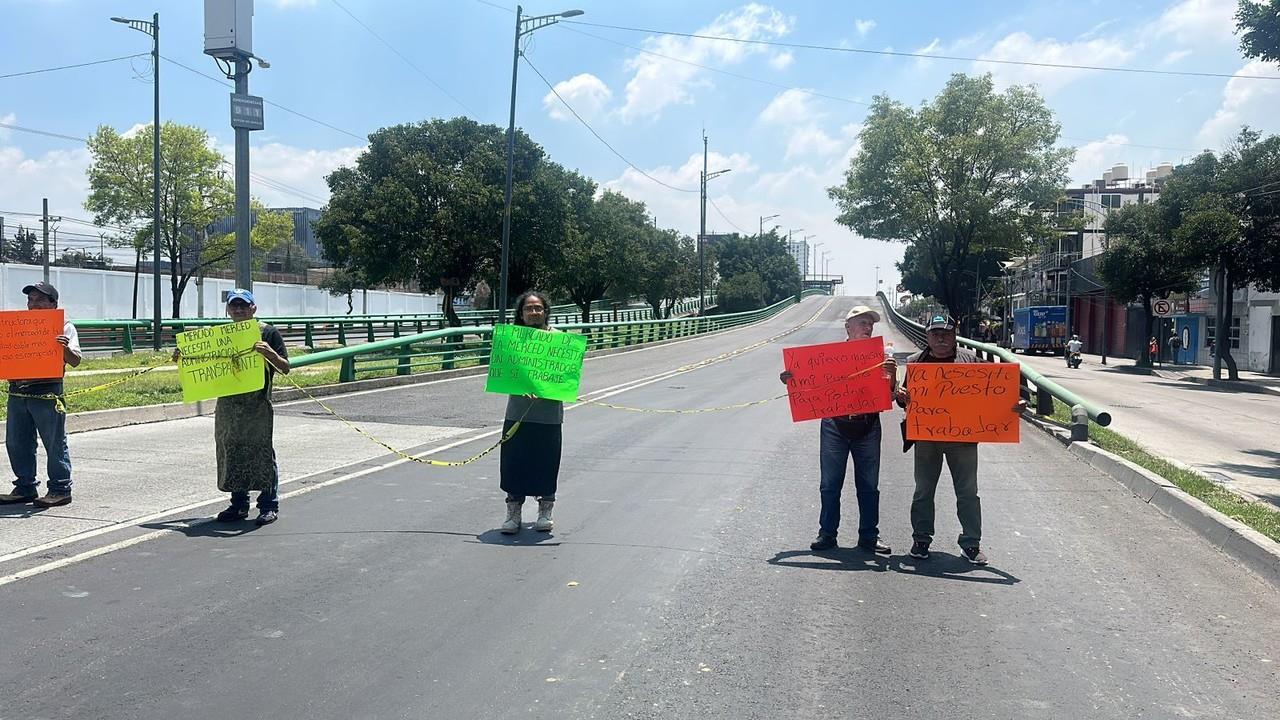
544	522
511	525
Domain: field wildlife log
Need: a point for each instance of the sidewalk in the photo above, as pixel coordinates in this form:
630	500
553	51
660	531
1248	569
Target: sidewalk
1227	431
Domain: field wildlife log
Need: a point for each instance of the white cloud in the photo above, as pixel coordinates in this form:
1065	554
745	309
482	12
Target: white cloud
1174	56
789	107
794	111
1093	158
58	175
659	82
8	119
586	93
1198	22
1022	47
1244	102
864	26
301	169
933	47
782	60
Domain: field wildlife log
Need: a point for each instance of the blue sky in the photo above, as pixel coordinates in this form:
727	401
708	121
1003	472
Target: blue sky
784	146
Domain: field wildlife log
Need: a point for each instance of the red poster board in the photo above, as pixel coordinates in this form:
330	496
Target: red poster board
29	348
963	402
835	379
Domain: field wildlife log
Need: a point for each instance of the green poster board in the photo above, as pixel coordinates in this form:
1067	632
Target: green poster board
526	361
220	360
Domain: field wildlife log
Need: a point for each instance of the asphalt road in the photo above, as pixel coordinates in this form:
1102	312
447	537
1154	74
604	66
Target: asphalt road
1226	434
678	584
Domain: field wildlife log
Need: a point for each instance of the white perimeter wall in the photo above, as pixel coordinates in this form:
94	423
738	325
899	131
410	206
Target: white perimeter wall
102	294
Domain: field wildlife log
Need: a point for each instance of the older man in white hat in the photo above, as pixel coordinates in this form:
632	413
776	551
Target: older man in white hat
857	436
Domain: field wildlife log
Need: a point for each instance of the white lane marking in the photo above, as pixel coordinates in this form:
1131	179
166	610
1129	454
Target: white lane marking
97	552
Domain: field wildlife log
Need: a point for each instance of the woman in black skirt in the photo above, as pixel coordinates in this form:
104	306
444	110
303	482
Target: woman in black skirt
531	458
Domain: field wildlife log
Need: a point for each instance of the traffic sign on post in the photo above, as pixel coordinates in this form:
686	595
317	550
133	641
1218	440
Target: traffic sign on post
246	111
1162	308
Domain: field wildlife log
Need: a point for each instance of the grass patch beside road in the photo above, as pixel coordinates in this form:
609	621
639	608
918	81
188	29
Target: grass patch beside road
1257	515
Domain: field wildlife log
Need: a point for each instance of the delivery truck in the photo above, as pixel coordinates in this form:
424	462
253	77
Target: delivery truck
1041	329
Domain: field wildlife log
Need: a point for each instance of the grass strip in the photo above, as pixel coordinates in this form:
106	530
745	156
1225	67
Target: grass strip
1258	515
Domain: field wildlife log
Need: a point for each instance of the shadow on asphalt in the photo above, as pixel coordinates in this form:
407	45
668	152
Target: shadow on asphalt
526	537
205	527
939	565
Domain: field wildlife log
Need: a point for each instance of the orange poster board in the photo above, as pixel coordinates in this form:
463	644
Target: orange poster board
963	402
29	347
836	379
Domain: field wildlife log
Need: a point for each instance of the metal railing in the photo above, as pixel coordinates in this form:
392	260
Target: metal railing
452	348
1044	390
311	331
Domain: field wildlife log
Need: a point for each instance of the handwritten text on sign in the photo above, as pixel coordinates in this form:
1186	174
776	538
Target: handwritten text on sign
836	379
29	347
220	360
961	402
527	361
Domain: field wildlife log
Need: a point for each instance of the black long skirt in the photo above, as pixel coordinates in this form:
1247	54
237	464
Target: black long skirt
531	459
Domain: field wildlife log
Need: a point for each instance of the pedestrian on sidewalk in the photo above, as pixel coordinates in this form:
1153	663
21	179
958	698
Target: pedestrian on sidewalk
856	436
243	426
35	408
961	457
530	459
1175	345
1153	350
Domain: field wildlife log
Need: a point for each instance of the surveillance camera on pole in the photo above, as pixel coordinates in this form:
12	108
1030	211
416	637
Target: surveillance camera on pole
228	37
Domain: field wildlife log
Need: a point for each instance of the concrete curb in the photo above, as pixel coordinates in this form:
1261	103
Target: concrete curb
1237	386
1241	542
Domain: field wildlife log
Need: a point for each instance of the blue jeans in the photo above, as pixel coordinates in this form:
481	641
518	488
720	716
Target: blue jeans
835	450
27	418
267	499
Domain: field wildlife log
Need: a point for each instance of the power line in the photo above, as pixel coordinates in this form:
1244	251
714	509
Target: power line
730	73
77	65
596	134
268	102
892	53
726	217
407	61
41	132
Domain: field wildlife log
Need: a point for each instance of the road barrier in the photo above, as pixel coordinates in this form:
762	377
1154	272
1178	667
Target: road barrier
312	331
451	348
1045	391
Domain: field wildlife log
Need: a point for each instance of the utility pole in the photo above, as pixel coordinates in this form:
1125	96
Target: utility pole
244	257
44	220
702	231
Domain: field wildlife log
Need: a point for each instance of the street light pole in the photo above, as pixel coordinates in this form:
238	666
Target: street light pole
762	219
524	26
152	28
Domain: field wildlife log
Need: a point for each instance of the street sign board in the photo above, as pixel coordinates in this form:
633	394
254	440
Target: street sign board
246	112
1162	308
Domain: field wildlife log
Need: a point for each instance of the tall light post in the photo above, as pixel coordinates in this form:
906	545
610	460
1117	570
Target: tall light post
766	217
152	28
702	227
524	26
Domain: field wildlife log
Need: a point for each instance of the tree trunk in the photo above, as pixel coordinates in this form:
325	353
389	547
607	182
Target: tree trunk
1224	332
586	310
137	261
450	315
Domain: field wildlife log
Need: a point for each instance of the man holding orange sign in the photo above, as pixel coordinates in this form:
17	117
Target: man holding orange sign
954	401
847	385
33	363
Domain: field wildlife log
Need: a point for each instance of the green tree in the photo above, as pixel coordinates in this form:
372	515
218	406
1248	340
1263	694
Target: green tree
424	204
343	282
193	193
765	256
1144	262
1258	25
741	292
959	177
24	247
666	270
600	249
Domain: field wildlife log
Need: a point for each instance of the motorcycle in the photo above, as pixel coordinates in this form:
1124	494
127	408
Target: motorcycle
1073	360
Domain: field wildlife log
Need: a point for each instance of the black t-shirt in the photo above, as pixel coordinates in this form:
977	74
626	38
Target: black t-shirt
272	337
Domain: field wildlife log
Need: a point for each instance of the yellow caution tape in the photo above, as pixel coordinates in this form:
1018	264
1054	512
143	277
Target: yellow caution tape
60	401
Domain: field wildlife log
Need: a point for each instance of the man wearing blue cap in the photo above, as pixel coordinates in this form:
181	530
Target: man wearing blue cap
243	426
961	457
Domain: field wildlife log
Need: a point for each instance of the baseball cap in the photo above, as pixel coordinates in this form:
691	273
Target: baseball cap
240	294
940	322
857	310
43	288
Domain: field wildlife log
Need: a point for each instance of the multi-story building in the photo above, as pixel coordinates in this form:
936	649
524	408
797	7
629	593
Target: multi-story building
799	251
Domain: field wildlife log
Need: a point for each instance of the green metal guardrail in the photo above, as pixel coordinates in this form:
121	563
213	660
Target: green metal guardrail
1045	389
125	335
450	348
